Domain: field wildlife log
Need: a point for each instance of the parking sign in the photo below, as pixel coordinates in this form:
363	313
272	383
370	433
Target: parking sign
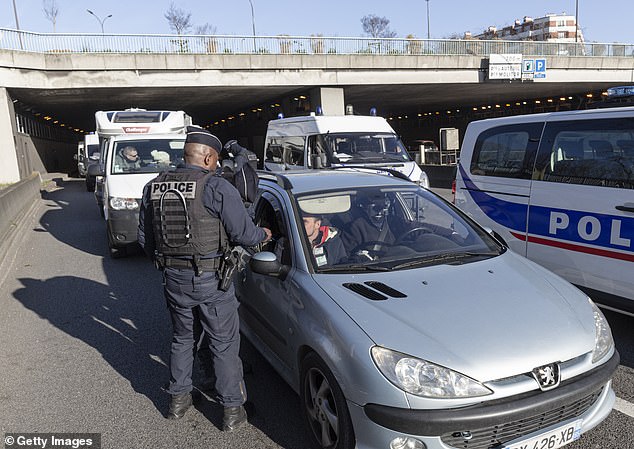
540	65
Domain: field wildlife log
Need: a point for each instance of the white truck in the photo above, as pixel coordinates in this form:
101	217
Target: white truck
88	154
318	141
136	145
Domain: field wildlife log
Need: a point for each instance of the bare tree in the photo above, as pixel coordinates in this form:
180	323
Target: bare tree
178	19
51	11
376	26
205	30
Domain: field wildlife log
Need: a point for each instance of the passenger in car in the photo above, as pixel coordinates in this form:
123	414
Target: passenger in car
325	241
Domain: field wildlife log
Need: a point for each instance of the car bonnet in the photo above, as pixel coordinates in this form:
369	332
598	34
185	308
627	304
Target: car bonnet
488	320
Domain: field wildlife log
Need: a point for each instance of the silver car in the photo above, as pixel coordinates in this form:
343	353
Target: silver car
430	334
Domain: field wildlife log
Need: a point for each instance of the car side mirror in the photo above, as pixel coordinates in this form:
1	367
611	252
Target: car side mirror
96	170
316	161
75	157
266	263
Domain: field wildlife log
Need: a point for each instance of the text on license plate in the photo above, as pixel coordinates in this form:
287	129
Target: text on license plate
552	440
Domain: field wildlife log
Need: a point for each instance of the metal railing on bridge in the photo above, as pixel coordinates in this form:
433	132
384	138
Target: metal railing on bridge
293	45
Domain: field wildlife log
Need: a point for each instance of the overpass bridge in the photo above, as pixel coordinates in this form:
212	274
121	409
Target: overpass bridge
235	84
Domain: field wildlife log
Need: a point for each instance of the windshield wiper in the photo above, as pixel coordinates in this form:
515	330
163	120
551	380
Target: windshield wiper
353	268
444	258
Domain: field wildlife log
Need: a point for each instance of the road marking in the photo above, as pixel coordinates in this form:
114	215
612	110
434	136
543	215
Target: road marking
624	407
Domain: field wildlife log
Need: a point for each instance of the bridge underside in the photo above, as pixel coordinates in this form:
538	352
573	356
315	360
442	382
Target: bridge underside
206	104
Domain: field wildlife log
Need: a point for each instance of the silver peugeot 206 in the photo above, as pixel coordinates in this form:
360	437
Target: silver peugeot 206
403	324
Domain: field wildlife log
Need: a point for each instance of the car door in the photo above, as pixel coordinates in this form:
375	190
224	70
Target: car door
497	181
265	300
581	215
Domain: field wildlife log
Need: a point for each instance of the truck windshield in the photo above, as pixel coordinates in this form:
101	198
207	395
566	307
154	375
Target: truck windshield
360	148
147	155
91	150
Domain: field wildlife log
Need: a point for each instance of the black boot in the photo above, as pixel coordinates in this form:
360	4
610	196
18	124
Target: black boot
233	418
179	404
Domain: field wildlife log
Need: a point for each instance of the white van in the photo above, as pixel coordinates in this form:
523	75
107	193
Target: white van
88	154
559	188
319	141
157	138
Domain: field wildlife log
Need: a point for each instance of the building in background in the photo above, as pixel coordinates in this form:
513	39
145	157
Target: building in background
551	27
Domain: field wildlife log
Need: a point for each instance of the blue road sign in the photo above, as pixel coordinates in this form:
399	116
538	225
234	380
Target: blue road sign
540	65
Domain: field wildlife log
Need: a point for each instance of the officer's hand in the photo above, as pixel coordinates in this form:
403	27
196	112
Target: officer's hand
269	235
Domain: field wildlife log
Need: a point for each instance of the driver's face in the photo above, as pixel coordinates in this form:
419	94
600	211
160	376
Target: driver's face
131	154
377	210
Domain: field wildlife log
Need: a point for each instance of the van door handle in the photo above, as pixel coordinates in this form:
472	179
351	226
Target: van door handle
627	207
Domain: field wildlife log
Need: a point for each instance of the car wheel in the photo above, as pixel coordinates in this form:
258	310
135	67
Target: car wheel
116	252
324	406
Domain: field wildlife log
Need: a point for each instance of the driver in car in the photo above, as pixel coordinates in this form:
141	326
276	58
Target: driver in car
370	231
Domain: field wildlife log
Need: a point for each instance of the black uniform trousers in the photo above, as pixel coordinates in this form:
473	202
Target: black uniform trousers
218	313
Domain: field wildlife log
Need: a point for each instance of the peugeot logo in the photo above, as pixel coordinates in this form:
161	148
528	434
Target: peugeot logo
547	376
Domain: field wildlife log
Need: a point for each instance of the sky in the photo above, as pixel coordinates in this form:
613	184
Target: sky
601	21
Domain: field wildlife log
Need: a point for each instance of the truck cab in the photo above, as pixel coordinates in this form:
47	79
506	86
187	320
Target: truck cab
136	145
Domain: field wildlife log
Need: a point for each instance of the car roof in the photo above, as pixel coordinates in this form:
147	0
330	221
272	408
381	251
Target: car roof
304	181
558	115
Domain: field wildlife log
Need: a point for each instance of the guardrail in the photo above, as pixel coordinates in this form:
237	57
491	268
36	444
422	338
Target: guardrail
295	45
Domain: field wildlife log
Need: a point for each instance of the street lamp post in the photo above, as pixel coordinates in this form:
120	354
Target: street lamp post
576	20
253	24
427	18
101	22
17	24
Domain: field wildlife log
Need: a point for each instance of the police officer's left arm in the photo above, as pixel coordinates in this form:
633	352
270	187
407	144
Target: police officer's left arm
221	199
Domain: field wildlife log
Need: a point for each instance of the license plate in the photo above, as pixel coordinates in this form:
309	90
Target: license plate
552	440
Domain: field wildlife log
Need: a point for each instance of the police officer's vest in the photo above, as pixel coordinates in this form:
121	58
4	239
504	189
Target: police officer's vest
182	225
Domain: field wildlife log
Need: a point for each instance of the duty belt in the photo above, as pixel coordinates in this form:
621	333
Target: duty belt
201	264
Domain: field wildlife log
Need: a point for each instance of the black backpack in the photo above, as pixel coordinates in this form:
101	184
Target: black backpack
240	171
246	179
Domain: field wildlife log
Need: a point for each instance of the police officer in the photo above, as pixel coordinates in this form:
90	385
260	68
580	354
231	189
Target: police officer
187	217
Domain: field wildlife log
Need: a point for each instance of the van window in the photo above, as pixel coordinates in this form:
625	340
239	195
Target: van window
506	151
588	152
147	155
287	150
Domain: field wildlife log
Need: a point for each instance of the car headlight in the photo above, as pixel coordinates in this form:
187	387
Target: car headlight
117	203
423	378
603	341
423	181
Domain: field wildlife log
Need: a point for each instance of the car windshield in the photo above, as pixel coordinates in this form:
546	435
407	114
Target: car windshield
362	148
147	155
388	228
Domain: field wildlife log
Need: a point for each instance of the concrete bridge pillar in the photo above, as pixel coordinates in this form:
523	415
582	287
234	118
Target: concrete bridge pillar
329	98
9	170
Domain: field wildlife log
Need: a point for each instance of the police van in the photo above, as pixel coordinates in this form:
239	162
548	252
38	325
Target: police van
319	141
559	188
136	145
87	154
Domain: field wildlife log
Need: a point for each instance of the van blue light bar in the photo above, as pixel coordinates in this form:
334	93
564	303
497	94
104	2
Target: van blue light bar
621	91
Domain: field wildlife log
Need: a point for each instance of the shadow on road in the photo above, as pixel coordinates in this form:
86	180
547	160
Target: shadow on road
112	322
73	216
126	321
